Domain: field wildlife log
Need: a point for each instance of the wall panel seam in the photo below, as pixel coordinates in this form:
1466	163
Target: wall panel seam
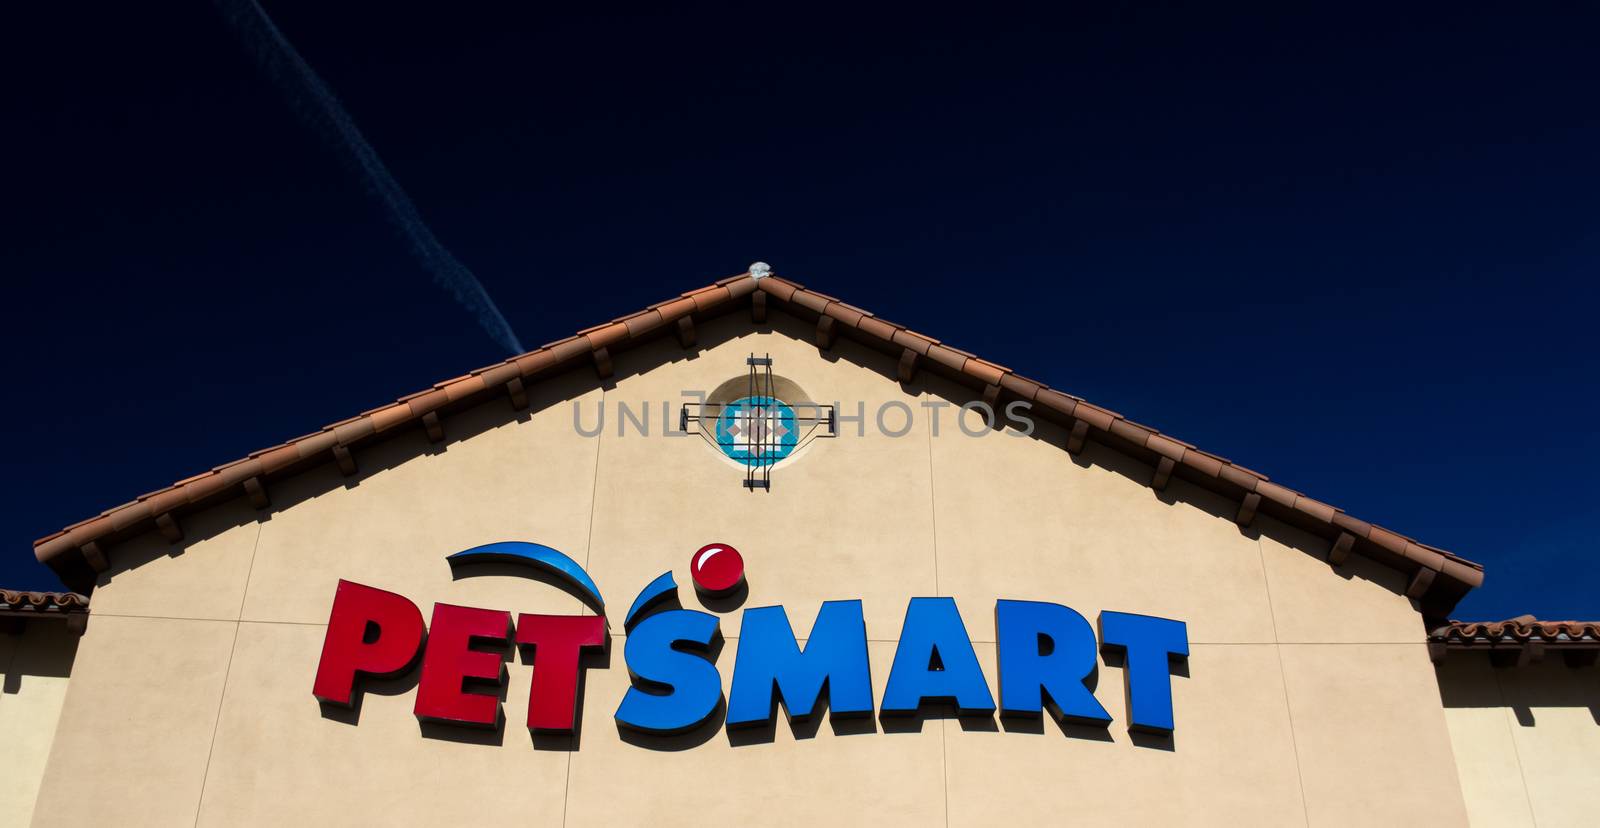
1283	679
250	569
933	535
933	516
216	723
588	554
1516	752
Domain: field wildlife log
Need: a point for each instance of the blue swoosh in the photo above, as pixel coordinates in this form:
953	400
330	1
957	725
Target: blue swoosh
540	557
658	590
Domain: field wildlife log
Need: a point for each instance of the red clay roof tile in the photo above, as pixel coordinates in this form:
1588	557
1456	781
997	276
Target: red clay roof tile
783	289
1239	477
917	343
1201	462
1165	446
740	285
1467	635
987	373
1132	432
813	302
946	356
844	313
391	416
463	388
1056	401
1316	509
1277	494
1021	386
607	335
672	309
708	298
877	328
14	601
498	374
1387	540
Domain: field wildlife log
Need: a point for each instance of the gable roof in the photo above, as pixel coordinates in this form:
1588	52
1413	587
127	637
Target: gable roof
1438	579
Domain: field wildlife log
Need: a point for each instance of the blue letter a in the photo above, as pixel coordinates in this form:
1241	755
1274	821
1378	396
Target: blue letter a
772	666
935	662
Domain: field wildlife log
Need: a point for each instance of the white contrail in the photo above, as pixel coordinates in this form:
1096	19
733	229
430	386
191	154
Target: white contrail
313	101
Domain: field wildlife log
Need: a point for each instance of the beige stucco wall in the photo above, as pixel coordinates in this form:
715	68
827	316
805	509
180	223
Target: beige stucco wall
1308	698
1526	740
34	666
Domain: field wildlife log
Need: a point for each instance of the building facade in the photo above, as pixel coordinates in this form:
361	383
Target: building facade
846	459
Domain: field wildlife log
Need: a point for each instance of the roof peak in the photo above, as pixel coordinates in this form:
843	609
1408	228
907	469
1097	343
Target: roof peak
1438	578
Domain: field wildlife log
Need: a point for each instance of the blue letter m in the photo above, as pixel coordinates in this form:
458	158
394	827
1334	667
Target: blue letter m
771	665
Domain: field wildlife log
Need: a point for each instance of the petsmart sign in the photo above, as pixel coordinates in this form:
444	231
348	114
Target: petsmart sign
1048	654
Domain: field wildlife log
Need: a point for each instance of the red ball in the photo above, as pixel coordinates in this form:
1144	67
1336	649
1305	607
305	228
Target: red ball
717	569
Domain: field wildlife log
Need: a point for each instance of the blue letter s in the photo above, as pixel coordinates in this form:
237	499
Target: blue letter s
693	685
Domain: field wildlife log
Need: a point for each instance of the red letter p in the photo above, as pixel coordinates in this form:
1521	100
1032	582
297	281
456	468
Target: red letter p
370	633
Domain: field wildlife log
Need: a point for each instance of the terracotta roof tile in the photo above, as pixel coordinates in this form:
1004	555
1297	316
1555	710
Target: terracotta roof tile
279	458
1095	416
1460	570
1355	526
463	388
783	289
1132	432
877	328
987	373
916	342
390	416
606	335
498	374
1515	633
844	313
129	515
1277	494
1315	509
351	432
42	602
813	302
1422	555
165	501
946	356
530	364
1386	539
1241	478
314	444
235	474
452	380
1056	401
1023	387
1165	446
672	309
708	298
1201	462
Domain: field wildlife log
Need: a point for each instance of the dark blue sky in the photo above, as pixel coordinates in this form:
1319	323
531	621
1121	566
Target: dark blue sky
1353	249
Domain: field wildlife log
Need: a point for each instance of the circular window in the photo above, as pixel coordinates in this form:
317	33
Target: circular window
757	431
